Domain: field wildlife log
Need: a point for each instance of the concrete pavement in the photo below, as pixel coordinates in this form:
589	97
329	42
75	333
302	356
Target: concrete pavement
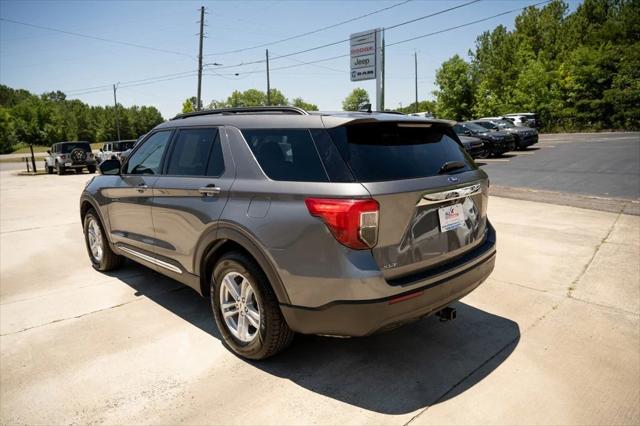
552	337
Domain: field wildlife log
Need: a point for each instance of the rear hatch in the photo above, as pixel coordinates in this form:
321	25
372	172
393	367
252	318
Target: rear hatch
429	214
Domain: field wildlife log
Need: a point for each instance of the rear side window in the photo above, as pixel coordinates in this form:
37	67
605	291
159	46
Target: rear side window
286	154
394	151
196	152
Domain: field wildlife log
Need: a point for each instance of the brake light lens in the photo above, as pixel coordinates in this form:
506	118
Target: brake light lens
354	223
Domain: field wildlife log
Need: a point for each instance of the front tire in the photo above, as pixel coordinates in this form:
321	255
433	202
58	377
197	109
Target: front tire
91	169
60	169
245	308
102	257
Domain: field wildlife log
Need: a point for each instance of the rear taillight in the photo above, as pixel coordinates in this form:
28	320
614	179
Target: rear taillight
353	223
62	157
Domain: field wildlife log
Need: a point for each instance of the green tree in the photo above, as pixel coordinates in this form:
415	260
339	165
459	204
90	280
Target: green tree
300	103
189	105
7	131
454	97
355	99
423	106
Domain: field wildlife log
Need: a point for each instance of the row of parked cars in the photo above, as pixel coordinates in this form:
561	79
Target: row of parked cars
77	156
493	136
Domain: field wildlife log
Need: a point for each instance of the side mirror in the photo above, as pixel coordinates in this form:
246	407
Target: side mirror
110	167
49	151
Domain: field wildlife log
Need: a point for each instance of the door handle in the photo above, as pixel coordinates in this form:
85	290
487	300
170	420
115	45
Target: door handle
209	191
142	187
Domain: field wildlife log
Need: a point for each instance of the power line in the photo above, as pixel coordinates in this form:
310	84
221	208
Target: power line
345	40
466	24
124	43
271	43
402	41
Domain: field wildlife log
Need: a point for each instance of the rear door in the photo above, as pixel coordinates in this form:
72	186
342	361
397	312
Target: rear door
428	215
191	193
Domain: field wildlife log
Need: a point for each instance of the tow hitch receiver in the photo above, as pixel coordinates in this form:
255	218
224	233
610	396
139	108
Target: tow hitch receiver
446	314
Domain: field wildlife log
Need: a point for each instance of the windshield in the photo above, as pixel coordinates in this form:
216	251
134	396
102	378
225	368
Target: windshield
68	147
475	128
394	151
487	125
123	146
505	123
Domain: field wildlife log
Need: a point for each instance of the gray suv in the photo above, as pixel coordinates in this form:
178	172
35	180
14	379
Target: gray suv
338	224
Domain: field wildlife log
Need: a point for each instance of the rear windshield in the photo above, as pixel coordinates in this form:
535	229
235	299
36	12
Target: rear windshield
68	147
394	151
486	125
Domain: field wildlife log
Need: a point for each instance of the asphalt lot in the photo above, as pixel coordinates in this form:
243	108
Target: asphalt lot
599	164
552	337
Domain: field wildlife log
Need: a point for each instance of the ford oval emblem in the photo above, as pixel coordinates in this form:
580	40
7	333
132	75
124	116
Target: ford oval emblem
453	179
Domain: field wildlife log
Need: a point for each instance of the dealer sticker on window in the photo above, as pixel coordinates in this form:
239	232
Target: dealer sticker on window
451	217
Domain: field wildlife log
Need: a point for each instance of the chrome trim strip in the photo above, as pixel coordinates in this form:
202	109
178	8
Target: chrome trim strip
453	194
151	259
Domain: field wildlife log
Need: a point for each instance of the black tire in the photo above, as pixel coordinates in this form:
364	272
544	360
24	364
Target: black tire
60	169
274	334
91	169
78	171
109	260
485	153
48	168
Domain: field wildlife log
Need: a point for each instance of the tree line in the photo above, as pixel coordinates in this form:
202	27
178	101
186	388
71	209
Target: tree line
44	119
577	70
249	98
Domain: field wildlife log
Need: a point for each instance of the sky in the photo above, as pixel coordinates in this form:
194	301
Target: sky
150	47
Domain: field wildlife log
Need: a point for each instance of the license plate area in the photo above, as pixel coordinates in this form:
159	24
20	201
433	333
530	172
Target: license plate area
451	217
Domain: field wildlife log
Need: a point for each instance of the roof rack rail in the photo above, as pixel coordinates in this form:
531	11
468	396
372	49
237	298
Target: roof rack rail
246	110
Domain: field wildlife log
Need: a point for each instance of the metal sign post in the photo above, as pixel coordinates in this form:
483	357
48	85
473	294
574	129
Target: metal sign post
367	60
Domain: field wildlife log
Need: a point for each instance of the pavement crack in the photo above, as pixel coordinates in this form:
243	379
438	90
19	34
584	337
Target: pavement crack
85	314
69	318
574	283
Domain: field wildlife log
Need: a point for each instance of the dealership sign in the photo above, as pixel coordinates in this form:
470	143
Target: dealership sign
364	55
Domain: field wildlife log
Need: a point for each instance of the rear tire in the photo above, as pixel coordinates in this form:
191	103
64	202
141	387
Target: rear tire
272	333
103	259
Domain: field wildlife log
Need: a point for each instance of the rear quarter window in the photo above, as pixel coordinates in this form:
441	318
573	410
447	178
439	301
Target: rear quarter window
394	151
286	154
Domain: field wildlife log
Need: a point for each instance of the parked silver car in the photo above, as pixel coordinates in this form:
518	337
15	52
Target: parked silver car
318	223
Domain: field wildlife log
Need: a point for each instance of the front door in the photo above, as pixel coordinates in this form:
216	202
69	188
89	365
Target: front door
131	196
191	193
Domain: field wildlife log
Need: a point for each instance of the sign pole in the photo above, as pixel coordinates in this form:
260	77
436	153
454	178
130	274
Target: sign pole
379	78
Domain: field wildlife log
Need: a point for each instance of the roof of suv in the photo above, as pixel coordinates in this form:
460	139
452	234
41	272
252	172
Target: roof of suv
287	117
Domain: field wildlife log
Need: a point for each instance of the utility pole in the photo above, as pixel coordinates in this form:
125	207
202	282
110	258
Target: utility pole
379	69
268	82
415	60
199	99
115	106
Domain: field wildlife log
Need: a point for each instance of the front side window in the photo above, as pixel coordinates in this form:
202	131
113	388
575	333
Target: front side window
196	152
286	154
147	160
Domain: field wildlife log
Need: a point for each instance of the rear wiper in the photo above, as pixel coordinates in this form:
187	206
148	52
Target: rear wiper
451	165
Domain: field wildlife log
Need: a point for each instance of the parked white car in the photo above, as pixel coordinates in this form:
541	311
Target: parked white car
113	150
523	119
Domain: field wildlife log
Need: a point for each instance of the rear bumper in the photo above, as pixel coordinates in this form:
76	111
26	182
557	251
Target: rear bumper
363	317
